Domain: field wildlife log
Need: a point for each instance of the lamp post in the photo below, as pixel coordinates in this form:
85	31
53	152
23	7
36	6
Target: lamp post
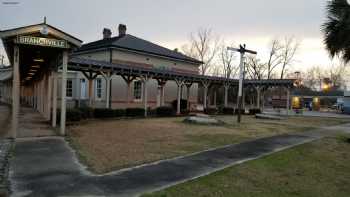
242	50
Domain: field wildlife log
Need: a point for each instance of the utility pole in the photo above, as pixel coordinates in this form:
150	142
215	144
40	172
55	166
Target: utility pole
242	50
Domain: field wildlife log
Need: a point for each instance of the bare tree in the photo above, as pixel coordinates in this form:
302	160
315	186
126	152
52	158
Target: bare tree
336	74
254	68
226	58
288	51
274	58
203	46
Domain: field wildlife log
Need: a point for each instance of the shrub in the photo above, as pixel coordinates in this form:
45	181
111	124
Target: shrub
228	111
104	113
254	111
165	111
86	112
72	115
211	111
135	112
183	104
242	111
119	112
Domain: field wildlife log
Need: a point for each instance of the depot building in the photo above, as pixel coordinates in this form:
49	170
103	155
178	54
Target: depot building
51	69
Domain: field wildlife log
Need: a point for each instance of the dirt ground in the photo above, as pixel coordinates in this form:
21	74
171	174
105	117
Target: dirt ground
107	145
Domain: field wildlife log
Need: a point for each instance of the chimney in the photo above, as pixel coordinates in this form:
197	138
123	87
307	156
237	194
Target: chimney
107	33
122	30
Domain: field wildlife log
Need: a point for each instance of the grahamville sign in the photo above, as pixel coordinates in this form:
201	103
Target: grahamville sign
39	41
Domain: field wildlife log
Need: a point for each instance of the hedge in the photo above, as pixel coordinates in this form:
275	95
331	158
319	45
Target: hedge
103	113
242	111
254	111
183	104
135	112
228	111
119	112
72	115
165	111
86	112
211	111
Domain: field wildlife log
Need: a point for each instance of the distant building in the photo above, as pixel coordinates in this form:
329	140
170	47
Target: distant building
346	102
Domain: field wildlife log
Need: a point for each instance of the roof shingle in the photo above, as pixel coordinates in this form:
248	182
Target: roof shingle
134	43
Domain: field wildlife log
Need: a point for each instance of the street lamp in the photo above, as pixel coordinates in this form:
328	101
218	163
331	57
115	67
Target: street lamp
242	50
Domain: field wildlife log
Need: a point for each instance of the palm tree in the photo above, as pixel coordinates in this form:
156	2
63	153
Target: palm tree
337	29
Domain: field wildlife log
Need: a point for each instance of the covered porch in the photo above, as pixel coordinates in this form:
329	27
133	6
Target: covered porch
35	53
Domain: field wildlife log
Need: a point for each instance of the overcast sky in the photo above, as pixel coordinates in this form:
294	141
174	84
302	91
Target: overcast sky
169	22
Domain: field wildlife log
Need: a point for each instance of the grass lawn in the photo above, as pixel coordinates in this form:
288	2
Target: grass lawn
107	145
318	169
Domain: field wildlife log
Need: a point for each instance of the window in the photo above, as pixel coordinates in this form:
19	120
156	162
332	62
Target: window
83	89
69	91
137	90
98	88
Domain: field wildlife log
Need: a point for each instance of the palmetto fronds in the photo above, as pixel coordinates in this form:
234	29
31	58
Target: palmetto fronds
337	29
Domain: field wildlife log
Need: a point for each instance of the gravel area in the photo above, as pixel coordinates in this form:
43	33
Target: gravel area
5	149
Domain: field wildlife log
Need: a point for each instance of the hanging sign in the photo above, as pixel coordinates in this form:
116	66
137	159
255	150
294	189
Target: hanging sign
46	42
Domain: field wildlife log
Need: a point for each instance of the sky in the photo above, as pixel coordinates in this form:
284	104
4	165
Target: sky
170	22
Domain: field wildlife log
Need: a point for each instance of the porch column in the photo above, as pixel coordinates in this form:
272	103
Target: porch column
128	80
243	99
15	92
226	86
91	91
179	83
159	95
162	100
288	101
215	94
145	93
63	92
54	99
206	85
49	97
108	78
160	92
188	85
258	99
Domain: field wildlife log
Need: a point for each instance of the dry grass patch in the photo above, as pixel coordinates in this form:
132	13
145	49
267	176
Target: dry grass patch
115	144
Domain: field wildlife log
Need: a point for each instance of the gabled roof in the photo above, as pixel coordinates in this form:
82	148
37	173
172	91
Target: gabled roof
133	43
36	28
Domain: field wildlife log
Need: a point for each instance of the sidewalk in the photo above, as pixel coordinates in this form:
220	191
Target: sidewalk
48	166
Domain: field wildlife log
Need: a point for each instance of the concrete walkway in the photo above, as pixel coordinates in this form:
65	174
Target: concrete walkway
48	166
33	124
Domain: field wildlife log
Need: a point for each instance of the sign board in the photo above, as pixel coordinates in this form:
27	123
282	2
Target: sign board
46	42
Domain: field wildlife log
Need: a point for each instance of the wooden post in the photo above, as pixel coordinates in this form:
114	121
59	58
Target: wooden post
91	84
128	80
49	97
288	101
145	93
63	92
258	99
162	100
108	78
15	92
54	99
226	86
179	89
206	85
188	85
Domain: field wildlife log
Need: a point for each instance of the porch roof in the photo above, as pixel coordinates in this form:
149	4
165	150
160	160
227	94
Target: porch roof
88	65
